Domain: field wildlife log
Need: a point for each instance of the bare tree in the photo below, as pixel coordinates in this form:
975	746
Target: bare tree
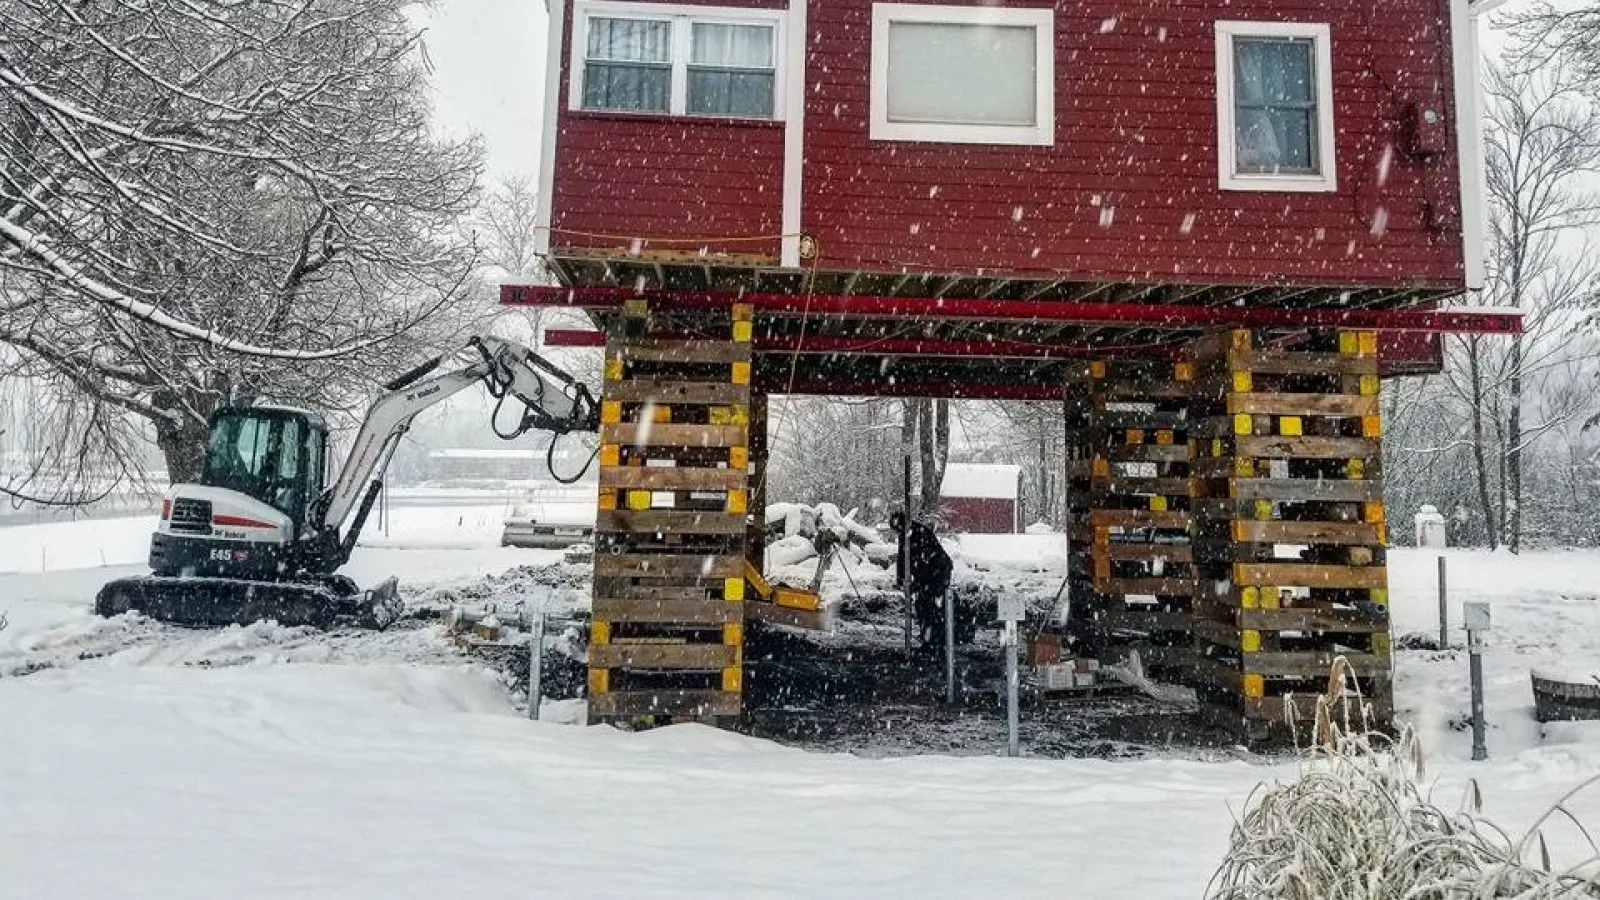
1499	399
1542	142
193	192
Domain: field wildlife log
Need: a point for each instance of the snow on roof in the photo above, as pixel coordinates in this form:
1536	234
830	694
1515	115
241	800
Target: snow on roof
982	480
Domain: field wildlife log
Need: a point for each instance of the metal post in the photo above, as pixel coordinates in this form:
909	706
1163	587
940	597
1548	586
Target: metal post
1444	608
1475	618
949	646
1475	670
1009	647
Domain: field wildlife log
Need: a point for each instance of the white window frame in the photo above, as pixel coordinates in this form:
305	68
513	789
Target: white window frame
1229	178
682	17
1041	133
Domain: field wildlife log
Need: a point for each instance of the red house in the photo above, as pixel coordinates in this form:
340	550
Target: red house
1135	151
1203	227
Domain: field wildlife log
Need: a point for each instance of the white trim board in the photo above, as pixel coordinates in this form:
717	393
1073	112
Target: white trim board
793	61
1228	178
543	214
1469	137
1041	133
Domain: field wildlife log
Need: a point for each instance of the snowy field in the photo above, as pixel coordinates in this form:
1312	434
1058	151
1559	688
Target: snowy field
266	762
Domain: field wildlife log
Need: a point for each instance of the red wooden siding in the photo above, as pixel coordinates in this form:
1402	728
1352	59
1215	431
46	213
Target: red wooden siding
1136	153
979	515
1128	192
657	182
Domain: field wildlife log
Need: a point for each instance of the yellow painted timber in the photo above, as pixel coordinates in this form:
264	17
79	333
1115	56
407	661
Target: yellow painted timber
756	579
638	500
1135	435
742	332
733	634
1243	423
1369	385
599	681
1372	511
738	458
610	411
1242	382
610	455
1249	641
738	501
1367	343
795	599
733	588
743	312
1290	426
1254	685
1183	371
1371	427
1250	597
1097	370
733	679
607	499
1164	436
740	373
613	368
599	632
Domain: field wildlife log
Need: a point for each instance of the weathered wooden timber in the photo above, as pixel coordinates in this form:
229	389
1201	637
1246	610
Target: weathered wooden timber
1288	525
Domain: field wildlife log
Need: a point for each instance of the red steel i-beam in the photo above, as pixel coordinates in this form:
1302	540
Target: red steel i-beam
821	345
1144	315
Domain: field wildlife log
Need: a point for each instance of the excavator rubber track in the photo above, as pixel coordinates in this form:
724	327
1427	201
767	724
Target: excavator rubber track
199	602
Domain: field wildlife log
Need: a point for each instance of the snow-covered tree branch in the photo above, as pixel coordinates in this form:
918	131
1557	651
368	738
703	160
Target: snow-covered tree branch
203	199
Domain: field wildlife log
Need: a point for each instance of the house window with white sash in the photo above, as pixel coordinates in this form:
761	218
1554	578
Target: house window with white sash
1275	106
963	74
690	60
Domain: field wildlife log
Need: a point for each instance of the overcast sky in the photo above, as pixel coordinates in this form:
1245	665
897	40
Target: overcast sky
488	58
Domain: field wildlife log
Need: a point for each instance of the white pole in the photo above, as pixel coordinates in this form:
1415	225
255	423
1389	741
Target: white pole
536	659
1009	648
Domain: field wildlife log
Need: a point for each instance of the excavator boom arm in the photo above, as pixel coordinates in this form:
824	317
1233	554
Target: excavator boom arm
554	401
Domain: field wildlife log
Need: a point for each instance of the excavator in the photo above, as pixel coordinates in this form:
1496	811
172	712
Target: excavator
261	537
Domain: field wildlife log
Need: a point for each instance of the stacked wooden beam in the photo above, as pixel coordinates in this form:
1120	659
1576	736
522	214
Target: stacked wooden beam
668	624
1131	564
1288	525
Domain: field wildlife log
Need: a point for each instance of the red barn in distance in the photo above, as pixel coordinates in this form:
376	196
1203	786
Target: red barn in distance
981	498
1203	227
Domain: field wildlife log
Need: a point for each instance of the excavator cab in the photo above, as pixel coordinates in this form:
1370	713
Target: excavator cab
273	454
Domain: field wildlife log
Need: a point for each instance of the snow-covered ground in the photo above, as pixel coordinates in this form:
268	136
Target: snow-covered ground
265	762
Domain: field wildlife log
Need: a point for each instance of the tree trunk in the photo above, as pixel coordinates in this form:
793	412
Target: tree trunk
1513	454
184	448
908	441
933	432
1478	456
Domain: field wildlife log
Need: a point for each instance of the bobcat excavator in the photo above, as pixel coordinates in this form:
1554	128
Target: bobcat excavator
259	537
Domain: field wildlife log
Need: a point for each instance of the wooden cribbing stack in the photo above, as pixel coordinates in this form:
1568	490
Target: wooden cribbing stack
1130	562
667	637
1288	525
